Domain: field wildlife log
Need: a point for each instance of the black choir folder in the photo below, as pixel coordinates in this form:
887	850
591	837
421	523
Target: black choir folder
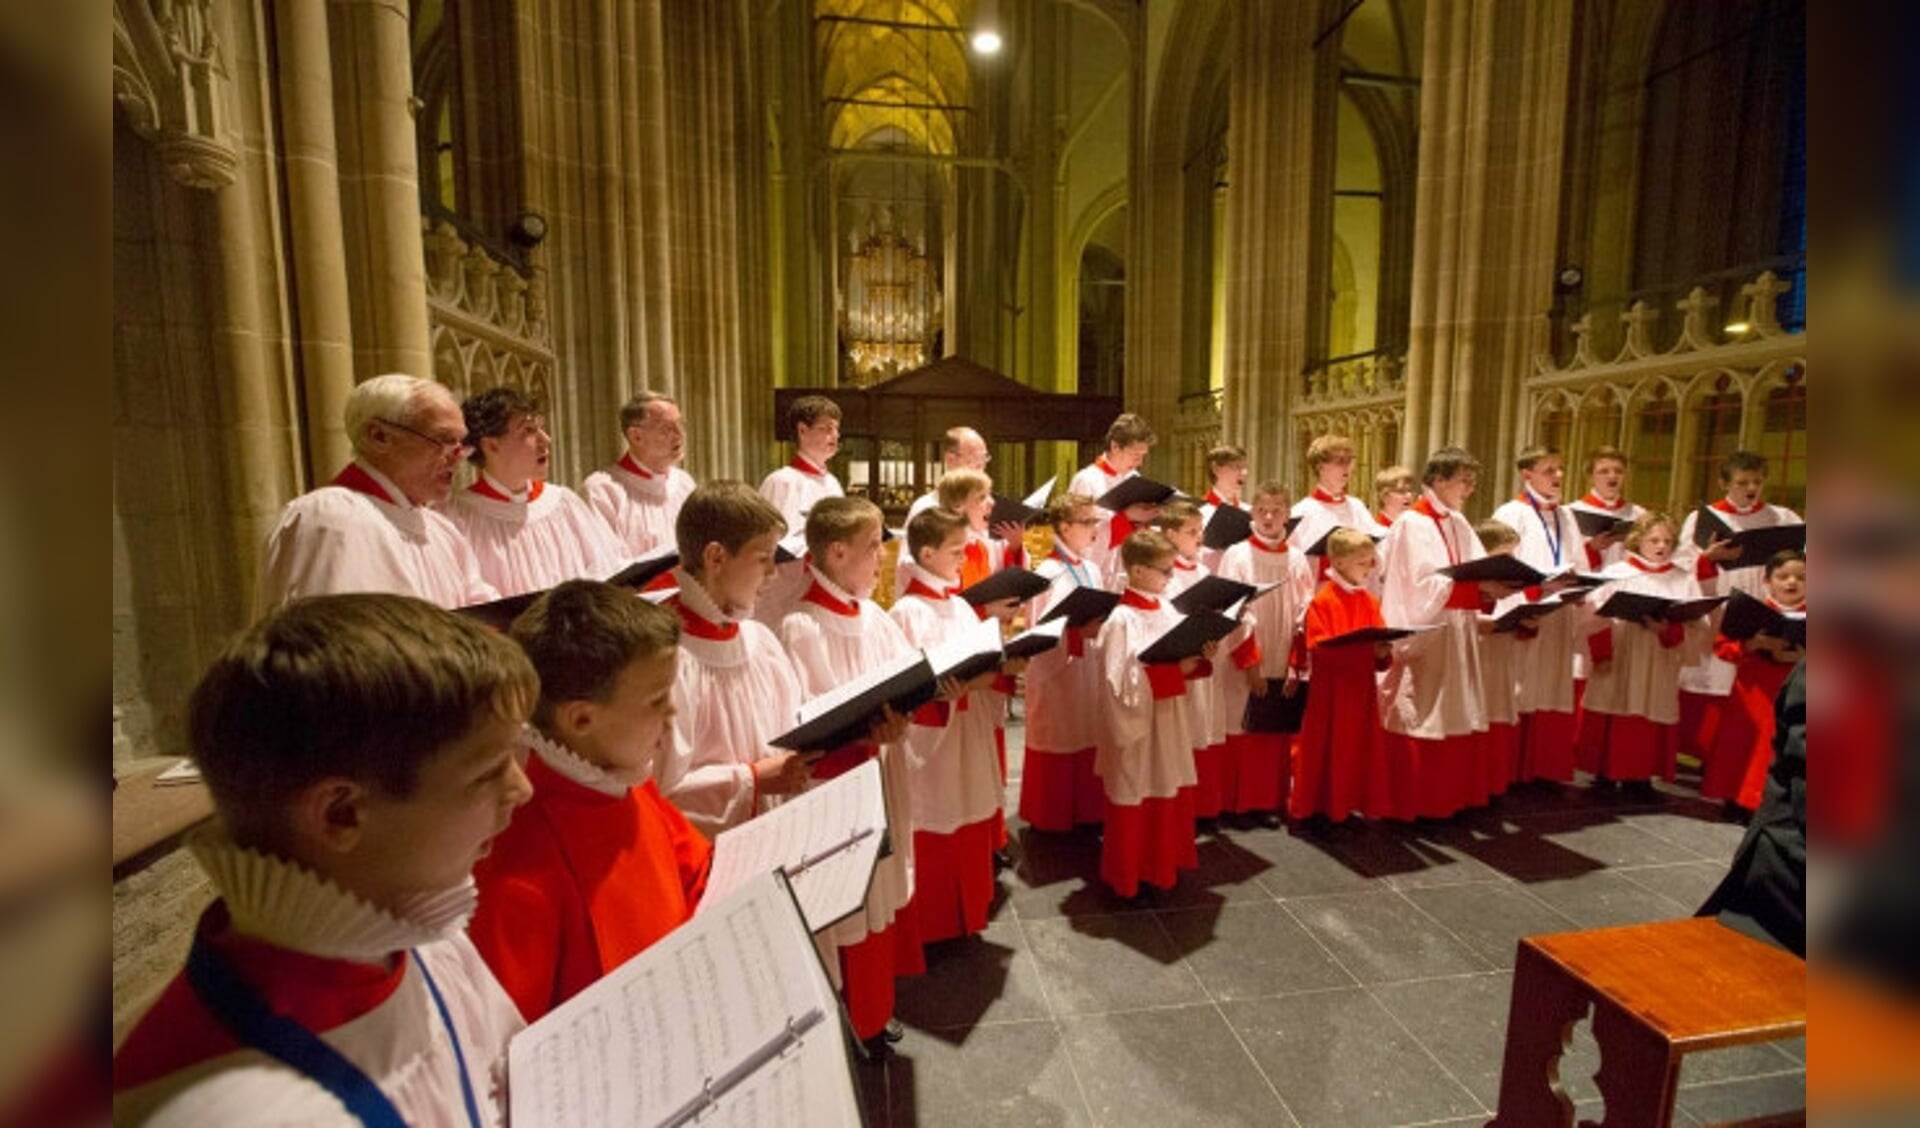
1498	569
1007	583
1217	593
1526	614
1747	617
1186	638
1756	545
1319	547
1228	526
1599	522
846	712
1021	511
1634	606
1083	606
1036	640
1375	634
636	574
728	1019
825	841
1135	490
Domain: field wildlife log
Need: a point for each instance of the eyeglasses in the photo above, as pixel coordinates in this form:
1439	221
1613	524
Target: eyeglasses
447	446
1084	521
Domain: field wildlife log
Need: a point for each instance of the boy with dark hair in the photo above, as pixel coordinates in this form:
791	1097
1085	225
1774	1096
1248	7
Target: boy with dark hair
598	866
956	777
735	689
360	751
794	488
1129	438
526	532
1227	471
1743	751
1606	470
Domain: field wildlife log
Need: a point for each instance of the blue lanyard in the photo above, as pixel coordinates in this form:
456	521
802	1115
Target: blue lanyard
1077	571
1552	531
238	1008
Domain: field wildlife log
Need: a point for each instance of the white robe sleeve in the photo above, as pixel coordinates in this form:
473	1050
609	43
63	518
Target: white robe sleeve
1129	692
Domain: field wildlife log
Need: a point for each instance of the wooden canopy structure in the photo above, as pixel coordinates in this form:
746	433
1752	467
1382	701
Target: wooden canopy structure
894	427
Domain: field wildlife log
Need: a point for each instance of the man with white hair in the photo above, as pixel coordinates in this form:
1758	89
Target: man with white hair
370	529
641	493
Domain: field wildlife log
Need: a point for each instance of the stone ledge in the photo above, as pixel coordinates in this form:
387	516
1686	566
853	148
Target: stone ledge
149	820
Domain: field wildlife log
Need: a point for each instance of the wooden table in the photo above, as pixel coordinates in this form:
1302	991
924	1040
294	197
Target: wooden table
149	818
1658	992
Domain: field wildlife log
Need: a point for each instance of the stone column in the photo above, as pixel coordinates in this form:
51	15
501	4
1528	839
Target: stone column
380	185
1277	77
1492	120
322	310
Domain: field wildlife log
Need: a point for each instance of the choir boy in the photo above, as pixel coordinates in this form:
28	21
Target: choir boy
1227	469
955	780
373	527
1606	468
961	448
1549	541
969	493
1340	765
1705	684
360	753
1330	461
1501	678
1394	488
835	634
815	423
1129	438
598	866
735	688
1179	520
526	532
1148	769
1630	728
1432	700
1065	724
641	493
1275	661
1743	751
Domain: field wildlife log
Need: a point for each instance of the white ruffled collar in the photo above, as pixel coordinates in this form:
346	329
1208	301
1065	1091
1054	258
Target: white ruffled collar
833	589
1341	583
696	599
292	907
567	763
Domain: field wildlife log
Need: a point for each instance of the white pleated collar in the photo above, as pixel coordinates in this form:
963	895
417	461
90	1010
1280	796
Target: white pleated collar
292	907
567	763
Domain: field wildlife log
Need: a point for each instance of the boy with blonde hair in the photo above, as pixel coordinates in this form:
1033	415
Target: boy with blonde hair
1330	462
735	689
1340	764
1058	789
1394	489
360	751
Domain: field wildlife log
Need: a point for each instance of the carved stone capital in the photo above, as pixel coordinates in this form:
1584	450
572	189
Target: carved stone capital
170	77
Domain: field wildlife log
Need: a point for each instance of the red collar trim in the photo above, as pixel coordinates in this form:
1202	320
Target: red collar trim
1260	545
1798	608
821	597
1319	494
700	627
1726	506
1133	599
1063	556
1214	498
355	478
1105	467
918	586
1383	519
486	489
1595	501
1424	506
1650	569
807	468
1183	564
1540	503
632	466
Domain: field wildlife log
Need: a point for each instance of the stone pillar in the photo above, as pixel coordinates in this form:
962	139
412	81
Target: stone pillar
1277	77
323	311
380	185
1492	119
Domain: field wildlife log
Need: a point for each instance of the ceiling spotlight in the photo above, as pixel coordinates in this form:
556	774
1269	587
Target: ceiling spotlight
986	41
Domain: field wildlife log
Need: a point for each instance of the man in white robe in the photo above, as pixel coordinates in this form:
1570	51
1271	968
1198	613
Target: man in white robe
793	488
371	528
641	493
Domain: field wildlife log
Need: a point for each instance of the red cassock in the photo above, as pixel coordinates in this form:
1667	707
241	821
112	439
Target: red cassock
1743	747
580	882
1340	765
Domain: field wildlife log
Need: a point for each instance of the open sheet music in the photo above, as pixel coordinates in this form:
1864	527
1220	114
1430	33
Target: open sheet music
729	1018
826	840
